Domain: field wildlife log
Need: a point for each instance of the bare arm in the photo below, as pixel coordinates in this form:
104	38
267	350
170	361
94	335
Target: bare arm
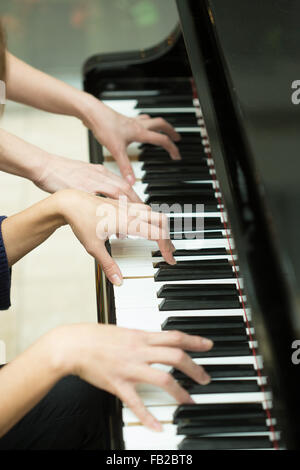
53	173
30	86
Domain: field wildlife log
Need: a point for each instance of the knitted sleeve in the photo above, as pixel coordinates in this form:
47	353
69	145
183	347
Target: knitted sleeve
5	274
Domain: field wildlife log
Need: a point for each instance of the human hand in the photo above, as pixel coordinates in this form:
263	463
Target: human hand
116	131
94	219
117	359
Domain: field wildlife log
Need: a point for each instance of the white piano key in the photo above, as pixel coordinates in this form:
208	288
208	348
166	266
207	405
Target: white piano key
160	397
162	413
256	361
171	109
142	438
182	130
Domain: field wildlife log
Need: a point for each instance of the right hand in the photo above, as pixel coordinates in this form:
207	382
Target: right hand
94	219
117	359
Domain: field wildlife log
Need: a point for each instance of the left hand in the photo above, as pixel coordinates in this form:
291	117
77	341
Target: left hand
116	131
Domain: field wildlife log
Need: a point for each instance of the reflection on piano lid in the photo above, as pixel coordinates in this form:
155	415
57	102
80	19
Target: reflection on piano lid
231	282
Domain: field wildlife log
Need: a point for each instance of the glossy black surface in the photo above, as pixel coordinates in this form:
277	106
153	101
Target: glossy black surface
244	56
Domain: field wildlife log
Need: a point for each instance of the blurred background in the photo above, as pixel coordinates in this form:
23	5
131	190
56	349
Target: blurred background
55	283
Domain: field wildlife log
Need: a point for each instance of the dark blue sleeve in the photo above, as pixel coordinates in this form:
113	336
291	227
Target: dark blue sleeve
5	274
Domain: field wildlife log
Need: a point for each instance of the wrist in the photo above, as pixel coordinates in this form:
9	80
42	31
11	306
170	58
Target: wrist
85	108
65	200
58	359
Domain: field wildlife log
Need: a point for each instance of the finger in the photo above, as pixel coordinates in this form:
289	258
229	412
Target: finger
144	116
160	124
125	167
145	215
122	188
180	360
167	249
166	382
155	138
109	266
139	228
130	397
178	339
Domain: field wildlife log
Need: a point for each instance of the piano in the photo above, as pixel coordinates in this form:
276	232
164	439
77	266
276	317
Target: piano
223	78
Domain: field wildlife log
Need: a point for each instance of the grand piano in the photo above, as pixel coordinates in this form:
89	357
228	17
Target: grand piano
224	79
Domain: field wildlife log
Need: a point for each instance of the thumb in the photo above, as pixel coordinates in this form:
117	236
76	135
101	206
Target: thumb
124	164
110	267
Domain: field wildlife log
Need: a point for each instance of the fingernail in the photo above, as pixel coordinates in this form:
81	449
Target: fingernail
205	380
116	280
130	179
177	138
176	156
207	343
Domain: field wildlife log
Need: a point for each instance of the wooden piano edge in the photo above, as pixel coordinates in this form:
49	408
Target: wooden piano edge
106	314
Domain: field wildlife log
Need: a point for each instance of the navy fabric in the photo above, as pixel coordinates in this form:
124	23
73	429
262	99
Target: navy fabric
5	274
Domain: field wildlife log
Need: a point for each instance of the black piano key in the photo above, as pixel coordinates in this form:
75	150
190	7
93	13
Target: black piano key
223	349
193	267
200	175
179	164
188	138
191	154
221	371
189	147
204	235
189	274
198	428
236	335
194	264
177	117
180	224
163	101
175	291
226	443
182	187
194	252
222	386
164	157
178	193
199	304
193	208
221	321
218	410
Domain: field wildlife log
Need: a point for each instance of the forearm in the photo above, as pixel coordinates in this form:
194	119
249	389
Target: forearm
30	86
26	230
21	158
25	380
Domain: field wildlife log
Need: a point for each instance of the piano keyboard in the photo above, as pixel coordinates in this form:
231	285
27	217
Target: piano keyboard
202	294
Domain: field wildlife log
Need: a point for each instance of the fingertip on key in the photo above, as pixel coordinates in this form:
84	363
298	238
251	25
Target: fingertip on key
207	343
206	379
